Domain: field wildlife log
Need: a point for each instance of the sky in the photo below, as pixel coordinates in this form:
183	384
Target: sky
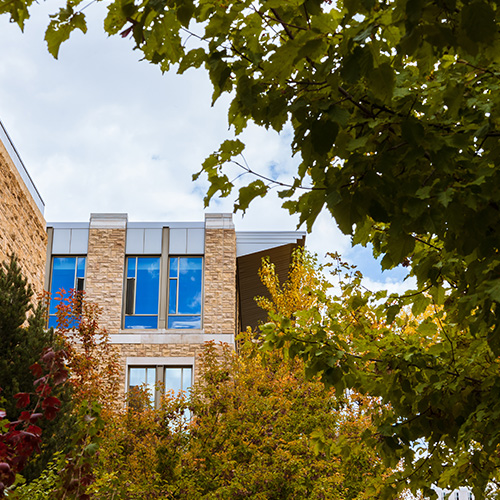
101	131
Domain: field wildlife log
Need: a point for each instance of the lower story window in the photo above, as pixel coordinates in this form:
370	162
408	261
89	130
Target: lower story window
178	379
143	378
157	381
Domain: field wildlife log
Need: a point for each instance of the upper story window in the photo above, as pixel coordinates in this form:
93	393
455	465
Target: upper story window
185	292
68	273
142	292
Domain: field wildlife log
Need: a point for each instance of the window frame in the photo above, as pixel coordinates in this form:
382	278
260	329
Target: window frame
168	315
134	302
161	364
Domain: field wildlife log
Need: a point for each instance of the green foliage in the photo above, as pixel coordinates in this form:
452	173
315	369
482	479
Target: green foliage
437	383
68	475
126	466
41	488
23	337
395	113
250	438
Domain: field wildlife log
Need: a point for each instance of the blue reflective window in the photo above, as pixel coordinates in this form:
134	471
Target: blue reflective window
142	292
185	292
68	273
184	322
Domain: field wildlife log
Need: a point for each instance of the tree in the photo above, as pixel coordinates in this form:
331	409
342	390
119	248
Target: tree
34	363
254	415
435	382
395	112
249	437
93	362
258	427
23	339
20	439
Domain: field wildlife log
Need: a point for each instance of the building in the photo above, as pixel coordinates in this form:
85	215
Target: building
22	225
165	287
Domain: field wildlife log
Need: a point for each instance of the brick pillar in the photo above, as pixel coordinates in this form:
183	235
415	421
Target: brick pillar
105	266
220	274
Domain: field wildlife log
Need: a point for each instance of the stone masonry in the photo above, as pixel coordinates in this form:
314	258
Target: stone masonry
105	266
220	275
104	286
22	226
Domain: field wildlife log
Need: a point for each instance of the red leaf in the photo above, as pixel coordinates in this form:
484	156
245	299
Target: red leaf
23	399
34	429
60	376
51	412
25	416
51	401
36	370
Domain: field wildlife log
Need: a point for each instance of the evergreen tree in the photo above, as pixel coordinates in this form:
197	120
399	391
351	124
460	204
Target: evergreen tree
23	337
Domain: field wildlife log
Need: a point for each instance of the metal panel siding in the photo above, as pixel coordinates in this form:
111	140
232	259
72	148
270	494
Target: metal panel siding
61	242
152	241
195	241
135	242
79	241
178	242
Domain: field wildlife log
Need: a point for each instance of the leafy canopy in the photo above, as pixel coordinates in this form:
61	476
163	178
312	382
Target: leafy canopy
436	384
394	108
249	437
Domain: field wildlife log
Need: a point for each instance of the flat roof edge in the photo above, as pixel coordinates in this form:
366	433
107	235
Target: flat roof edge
23	172
132	225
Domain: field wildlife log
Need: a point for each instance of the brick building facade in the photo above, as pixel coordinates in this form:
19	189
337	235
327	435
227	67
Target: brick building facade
22	225
165	288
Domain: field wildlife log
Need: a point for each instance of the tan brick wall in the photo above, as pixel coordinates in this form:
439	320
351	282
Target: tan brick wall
220	281
104	278
22	226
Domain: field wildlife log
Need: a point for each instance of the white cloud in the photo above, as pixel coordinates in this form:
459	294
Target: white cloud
100	131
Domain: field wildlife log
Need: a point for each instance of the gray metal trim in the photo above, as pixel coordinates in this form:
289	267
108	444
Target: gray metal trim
48	261
248	242
162	313
172	225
